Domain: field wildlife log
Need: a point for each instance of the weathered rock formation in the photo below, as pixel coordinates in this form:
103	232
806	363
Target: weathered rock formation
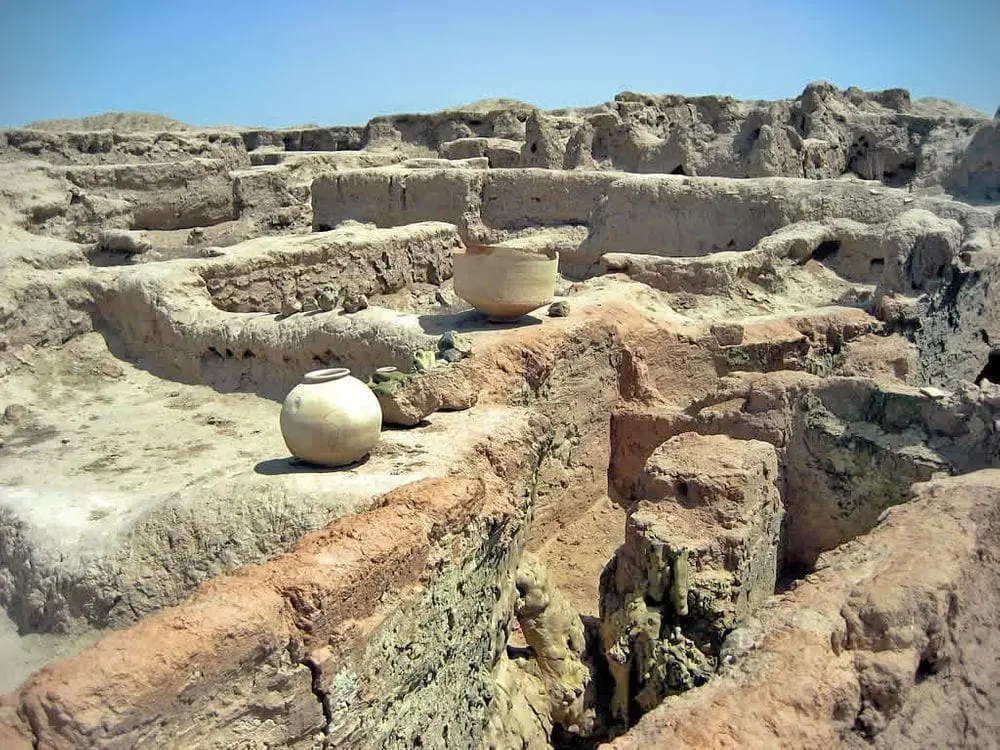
550	686
332	643
888	644
700	556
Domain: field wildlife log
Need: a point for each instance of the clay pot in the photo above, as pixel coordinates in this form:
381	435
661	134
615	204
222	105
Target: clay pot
505	283
330	418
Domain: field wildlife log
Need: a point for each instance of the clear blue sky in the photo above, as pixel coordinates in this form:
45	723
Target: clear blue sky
306	61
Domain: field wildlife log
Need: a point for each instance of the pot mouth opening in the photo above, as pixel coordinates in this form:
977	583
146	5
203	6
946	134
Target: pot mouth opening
541	254
387	369
323	376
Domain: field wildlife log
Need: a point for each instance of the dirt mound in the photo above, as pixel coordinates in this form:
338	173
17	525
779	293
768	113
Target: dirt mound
118	121
488	105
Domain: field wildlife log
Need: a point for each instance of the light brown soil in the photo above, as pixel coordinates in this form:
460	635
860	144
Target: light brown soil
579	550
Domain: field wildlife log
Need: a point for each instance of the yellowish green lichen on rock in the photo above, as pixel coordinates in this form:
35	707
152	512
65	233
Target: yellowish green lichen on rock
387	381
423	361
700	554
554	631
679	581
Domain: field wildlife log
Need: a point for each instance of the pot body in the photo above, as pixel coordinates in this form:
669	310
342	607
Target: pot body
503	282
330	418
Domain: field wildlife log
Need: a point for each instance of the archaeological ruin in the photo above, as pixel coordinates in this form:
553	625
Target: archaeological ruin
712	459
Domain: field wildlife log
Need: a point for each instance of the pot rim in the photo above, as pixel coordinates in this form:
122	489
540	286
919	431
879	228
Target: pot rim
544	254
324	376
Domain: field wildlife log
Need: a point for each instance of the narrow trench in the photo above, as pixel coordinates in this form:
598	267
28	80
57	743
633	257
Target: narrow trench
109	258
788	575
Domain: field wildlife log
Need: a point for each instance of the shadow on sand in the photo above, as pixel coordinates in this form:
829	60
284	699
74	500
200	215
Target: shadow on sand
469	321
291	465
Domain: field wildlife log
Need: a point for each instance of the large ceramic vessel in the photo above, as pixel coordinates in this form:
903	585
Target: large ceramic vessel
505	283
331	418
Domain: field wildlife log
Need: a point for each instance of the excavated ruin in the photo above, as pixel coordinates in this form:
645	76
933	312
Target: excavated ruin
739	488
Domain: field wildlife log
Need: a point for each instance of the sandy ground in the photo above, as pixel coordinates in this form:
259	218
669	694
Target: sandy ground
115	441
578	552
20	655
101	460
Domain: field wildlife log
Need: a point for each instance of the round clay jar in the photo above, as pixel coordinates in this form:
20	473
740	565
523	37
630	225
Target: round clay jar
330	418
